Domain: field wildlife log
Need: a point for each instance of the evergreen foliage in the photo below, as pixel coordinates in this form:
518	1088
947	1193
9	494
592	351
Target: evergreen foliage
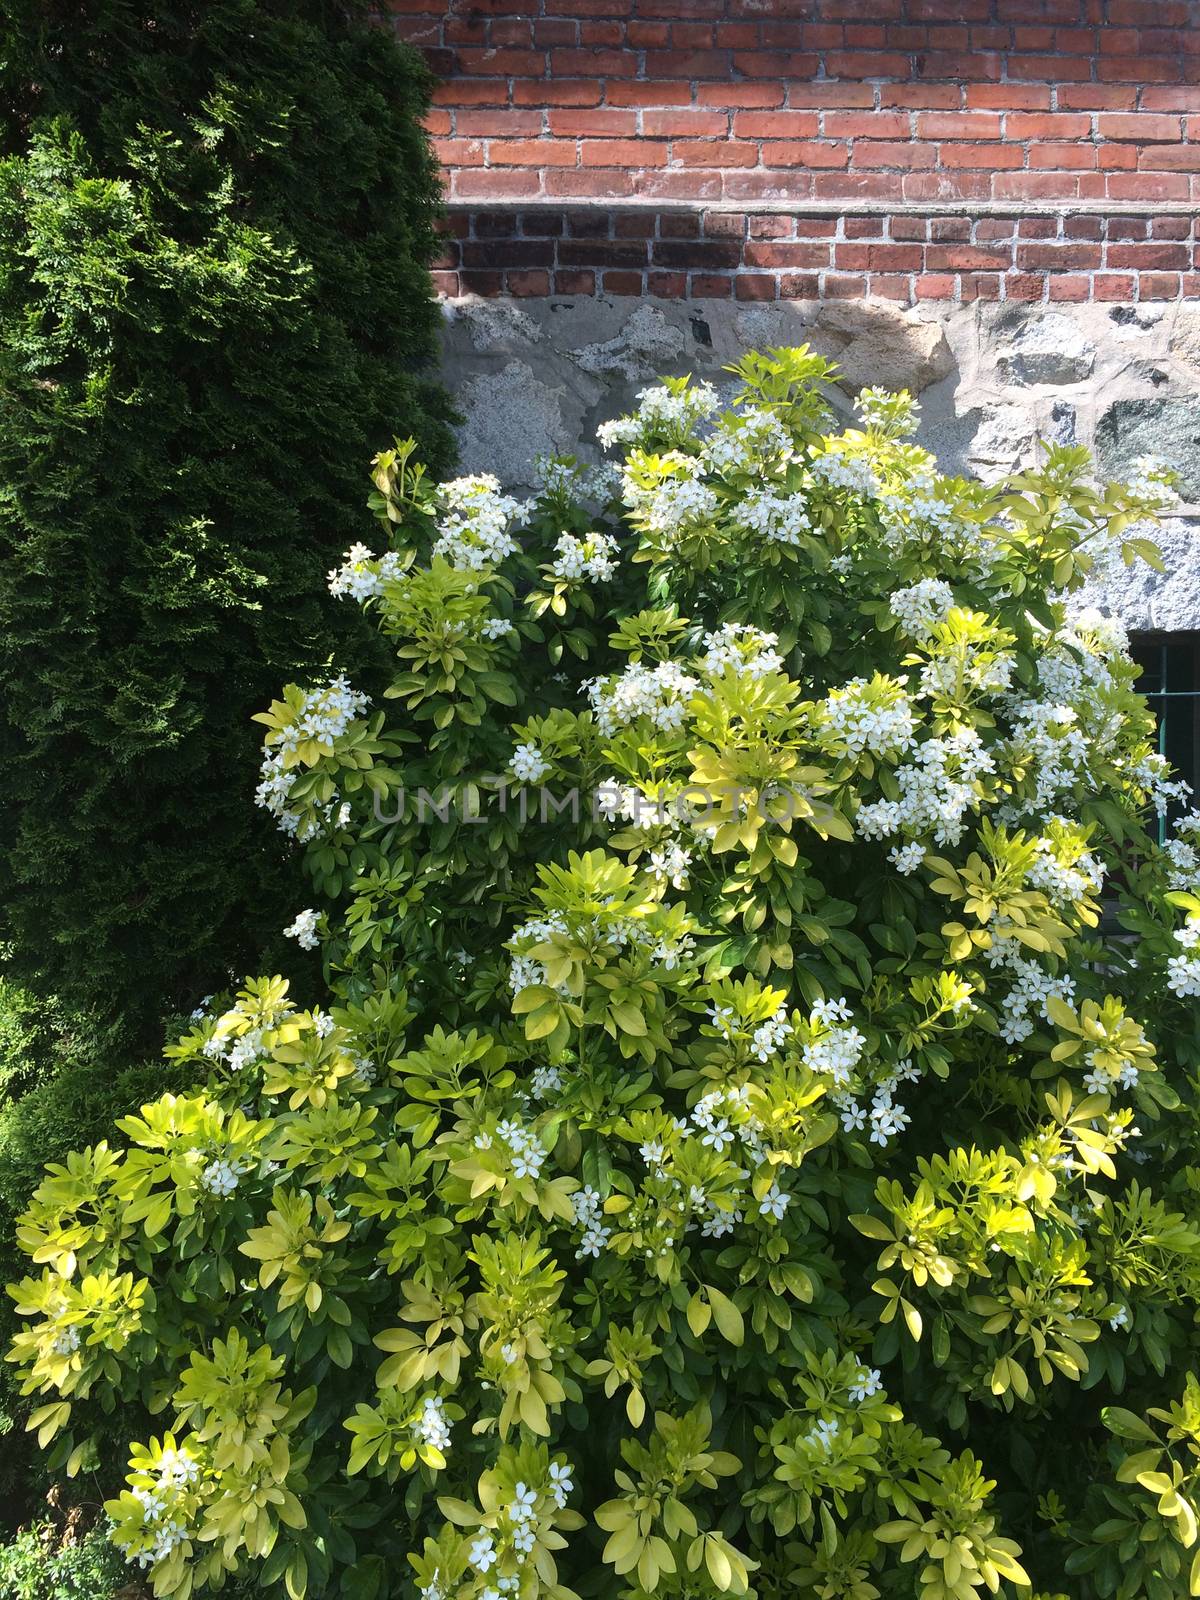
215	221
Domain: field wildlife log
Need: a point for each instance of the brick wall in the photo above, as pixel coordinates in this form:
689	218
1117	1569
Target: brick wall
1032	149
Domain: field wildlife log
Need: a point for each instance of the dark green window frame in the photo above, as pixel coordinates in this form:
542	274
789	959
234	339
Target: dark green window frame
1170	680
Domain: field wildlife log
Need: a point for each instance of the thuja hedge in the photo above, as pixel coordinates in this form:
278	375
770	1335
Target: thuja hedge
215	221
744	1142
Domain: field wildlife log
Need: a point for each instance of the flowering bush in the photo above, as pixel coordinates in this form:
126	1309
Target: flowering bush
746	1145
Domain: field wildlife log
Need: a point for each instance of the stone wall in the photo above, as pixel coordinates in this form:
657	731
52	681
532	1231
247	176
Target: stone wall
535	377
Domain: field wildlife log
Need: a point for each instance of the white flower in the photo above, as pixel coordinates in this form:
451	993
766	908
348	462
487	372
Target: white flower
221	1176
496	628
432	1426
483	1553
65	1341
593	557
472	531
304	930
867	1383
528	765
906	858
1120	1319
522	1506
561	1483
854	1117
922	606
774	1203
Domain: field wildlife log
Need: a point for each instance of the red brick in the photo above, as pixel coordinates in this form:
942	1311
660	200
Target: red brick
1158	286
958	125
771	227
799	286
1083	227
712	153
935	286
1118	157
1142	69
1024	286
599	123
733	95
531	153
602	253
755	286
650	94
685	64
856	185
1176	98
773	64
557	92
865	125
1050	69
945	230
966	258
1142	127
788	254
837	96
604	183
527	283
1066	287
498	124
673	183
1047	125
622	283
486	283
960	66
860	64
869	154
775	125
791	153
667	285
844	288
1035	186
1058	257
921	96
481	183
1113	286
1171	158
678	225
1171	227
459	152
725	224
979	285
685	124
1148	186
989	157
445	283
474	92
709	286
1062	157
863	227
635	225
593	63
994	228
963	184
1096	97
1150	257
624	153
578	282
884	287
1007	96
879	257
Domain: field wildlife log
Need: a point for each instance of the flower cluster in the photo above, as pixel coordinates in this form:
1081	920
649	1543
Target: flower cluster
474	523
659	693
594	558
